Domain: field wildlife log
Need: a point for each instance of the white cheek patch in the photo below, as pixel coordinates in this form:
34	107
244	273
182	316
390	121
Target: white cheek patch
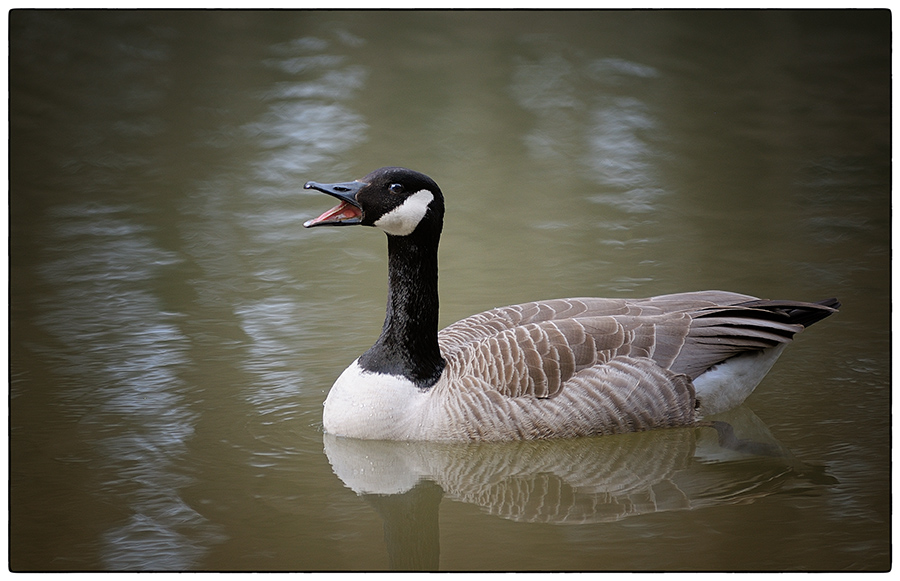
402	220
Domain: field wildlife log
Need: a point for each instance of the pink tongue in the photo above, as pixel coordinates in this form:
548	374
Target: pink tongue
342	211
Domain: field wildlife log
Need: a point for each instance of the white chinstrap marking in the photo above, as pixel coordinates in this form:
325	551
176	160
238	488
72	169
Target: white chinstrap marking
402	220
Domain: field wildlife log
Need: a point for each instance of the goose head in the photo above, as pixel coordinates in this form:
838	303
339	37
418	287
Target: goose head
400	201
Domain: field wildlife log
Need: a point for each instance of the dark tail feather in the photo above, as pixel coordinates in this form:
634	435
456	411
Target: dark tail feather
798	312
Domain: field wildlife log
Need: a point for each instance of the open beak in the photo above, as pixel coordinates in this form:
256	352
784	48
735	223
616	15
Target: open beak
347	213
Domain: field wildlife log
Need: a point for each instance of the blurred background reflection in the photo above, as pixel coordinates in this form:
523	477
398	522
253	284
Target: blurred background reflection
174	329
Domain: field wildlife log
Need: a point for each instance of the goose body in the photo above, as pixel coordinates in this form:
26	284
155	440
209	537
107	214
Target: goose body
556	368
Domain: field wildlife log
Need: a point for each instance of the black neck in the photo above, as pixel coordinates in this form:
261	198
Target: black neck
408	344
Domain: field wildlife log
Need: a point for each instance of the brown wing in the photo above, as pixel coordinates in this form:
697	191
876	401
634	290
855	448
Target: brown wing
537	359
494	321
533	349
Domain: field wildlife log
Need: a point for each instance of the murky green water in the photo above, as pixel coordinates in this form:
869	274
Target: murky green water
174	329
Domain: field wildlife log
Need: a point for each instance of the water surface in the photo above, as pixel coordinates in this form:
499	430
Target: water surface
174	330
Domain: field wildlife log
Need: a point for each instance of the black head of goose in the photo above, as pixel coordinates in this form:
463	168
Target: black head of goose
555	368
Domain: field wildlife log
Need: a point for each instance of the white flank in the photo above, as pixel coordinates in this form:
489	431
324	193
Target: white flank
376	406
728	384
402	220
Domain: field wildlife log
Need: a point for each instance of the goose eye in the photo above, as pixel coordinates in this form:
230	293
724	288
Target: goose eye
395	189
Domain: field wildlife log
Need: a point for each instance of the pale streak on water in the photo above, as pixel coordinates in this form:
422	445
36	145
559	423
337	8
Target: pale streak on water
174	329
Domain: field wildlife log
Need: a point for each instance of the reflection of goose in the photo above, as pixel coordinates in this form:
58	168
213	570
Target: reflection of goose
565	481
572	481
559	368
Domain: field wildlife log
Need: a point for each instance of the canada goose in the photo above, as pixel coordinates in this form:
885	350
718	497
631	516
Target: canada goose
547	369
